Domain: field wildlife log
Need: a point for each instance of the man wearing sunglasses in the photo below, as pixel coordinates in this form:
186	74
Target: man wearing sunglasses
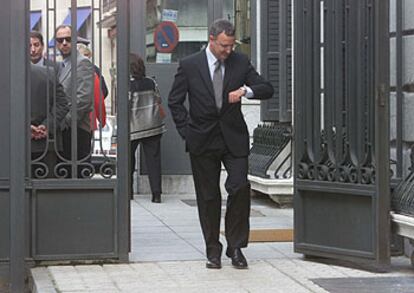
215	132
84	94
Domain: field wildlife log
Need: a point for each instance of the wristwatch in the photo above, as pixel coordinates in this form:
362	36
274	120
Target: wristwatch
243	88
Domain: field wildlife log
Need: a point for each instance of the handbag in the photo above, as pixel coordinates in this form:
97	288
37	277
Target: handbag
146	113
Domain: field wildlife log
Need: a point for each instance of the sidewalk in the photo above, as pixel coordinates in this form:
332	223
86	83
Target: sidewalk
168	256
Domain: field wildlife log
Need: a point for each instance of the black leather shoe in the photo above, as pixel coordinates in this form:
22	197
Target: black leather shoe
213	263
237	258
156	197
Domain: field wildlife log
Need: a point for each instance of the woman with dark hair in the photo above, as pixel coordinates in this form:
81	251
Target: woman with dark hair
146	123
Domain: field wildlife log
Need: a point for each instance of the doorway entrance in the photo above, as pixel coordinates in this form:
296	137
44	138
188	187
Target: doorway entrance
167	31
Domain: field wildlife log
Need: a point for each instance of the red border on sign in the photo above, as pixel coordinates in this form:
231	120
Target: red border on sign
172	45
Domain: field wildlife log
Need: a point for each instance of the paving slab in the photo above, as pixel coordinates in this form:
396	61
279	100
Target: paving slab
362	285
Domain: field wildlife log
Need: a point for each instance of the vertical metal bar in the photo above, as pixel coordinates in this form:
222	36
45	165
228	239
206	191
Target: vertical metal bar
101	96
264	47
298	152
360	83
346	77
339	69
92	45
254	27
316	79
399	84
352	73
123	151
54	76
100	36
283	73
308	77
19	18
363	82
329	76
297	80
309	81
98	115
371	74
28	106
382	76
138	20
73	76
369	89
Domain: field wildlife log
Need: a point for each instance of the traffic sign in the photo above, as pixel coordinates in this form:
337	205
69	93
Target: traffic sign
166	37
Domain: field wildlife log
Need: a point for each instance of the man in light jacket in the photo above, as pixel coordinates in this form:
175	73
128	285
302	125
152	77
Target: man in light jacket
84	95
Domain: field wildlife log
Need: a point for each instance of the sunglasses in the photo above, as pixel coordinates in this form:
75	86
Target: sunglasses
60	40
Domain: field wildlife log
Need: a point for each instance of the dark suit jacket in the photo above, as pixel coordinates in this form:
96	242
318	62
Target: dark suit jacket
203	121
41	79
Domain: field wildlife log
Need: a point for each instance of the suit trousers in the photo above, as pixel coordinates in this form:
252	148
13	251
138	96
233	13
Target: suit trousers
152	152
206	172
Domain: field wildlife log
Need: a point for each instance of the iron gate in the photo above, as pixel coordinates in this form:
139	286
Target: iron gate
342	129
54	207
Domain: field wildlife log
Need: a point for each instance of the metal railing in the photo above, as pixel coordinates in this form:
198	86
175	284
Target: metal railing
271	147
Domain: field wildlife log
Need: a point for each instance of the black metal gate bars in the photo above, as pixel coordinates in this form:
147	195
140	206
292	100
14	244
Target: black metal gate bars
341	129
59	211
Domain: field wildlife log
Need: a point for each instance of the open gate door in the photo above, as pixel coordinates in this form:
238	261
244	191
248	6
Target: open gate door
342	130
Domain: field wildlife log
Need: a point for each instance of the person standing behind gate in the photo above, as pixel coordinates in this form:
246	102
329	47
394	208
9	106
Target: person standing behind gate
46	115
215	132
99	111
84	93
47	96
85	51
56	91
146	123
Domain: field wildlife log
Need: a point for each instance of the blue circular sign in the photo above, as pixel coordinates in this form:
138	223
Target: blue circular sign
166	37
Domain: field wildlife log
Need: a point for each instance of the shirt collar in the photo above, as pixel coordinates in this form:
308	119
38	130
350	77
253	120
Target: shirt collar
211	59
66	61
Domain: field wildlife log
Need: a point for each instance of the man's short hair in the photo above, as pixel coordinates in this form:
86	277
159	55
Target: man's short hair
37	35
222	26
62	26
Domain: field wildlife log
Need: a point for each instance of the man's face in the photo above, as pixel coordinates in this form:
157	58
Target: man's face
63	38
222	46
36	50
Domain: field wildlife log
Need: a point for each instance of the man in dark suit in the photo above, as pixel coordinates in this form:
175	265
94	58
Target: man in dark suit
41	80
215	132
47	112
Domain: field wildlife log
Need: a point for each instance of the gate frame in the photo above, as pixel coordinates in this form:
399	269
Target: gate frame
18	142
382	125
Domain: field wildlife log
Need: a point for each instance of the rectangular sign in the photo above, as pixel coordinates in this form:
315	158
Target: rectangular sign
169	14
163	58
